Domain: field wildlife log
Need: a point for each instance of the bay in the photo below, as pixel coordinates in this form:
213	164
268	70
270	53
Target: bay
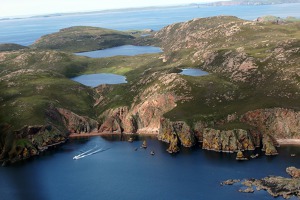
120	172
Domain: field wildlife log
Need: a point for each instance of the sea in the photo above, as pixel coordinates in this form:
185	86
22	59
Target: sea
25	31
112	168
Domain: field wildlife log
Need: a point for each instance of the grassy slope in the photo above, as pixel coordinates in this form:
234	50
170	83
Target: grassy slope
259	42
28	95
11	47
82	38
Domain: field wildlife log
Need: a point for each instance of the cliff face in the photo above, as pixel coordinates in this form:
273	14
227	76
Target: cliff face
179	133
279	123
227	141
77	124
143	117
30	141
176	133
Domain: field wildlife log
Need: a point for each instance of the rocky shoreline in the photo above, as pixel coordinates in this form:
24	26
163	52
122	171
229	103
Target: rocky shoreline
274	185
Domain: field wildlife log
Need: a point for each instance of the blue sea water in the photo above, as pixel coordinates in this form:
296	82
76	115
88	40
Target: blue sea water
120	172
125	50
94	80
26	31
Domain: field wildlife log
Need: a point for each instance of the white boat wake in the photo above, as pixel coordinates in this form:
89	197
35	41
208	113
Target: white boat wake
88	153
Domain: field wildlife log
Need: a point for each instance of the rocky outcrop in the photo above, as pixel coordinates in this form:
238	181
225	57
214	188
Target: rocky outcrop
278	123
293	172
144	117
77	124
274	185
180	129
269	144
173	147
176	133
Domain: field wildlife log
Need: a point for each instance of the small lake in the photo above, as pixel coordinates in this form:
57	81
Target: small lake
94	80
193	72
125	50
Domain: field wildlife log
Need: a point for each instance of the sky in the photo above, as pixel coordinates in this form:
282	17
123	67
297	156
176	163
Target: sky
13	8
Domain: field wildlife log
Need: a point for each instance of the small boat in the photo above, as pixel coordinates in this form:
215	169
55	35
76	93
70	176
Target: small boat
76	157
144	145
254	156
152	153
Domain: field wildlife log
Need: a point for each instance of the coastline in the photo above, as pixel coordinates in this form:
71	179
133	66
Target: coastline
94	133
288	141
91	134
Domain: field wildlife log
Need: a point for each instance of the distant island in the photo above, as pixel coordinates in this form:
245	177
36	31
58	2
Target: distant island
216	3
250	2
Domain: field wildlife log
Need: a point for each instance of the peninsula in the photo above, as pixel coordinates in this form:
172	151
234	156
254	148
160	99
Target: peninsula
250	98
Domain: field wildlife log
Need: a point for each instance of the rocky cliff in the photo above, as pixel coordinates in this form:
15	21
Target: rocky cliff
176	133
77	124
32	140
280	123
144	117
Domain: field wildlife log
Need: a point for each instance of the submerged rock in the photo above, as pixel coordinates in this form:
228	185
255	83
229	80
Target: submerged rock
247	190
230	181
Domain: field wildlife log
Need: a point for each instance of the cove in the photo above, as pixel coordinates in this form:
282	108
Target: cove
94	80
120	172
193	72
125	50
